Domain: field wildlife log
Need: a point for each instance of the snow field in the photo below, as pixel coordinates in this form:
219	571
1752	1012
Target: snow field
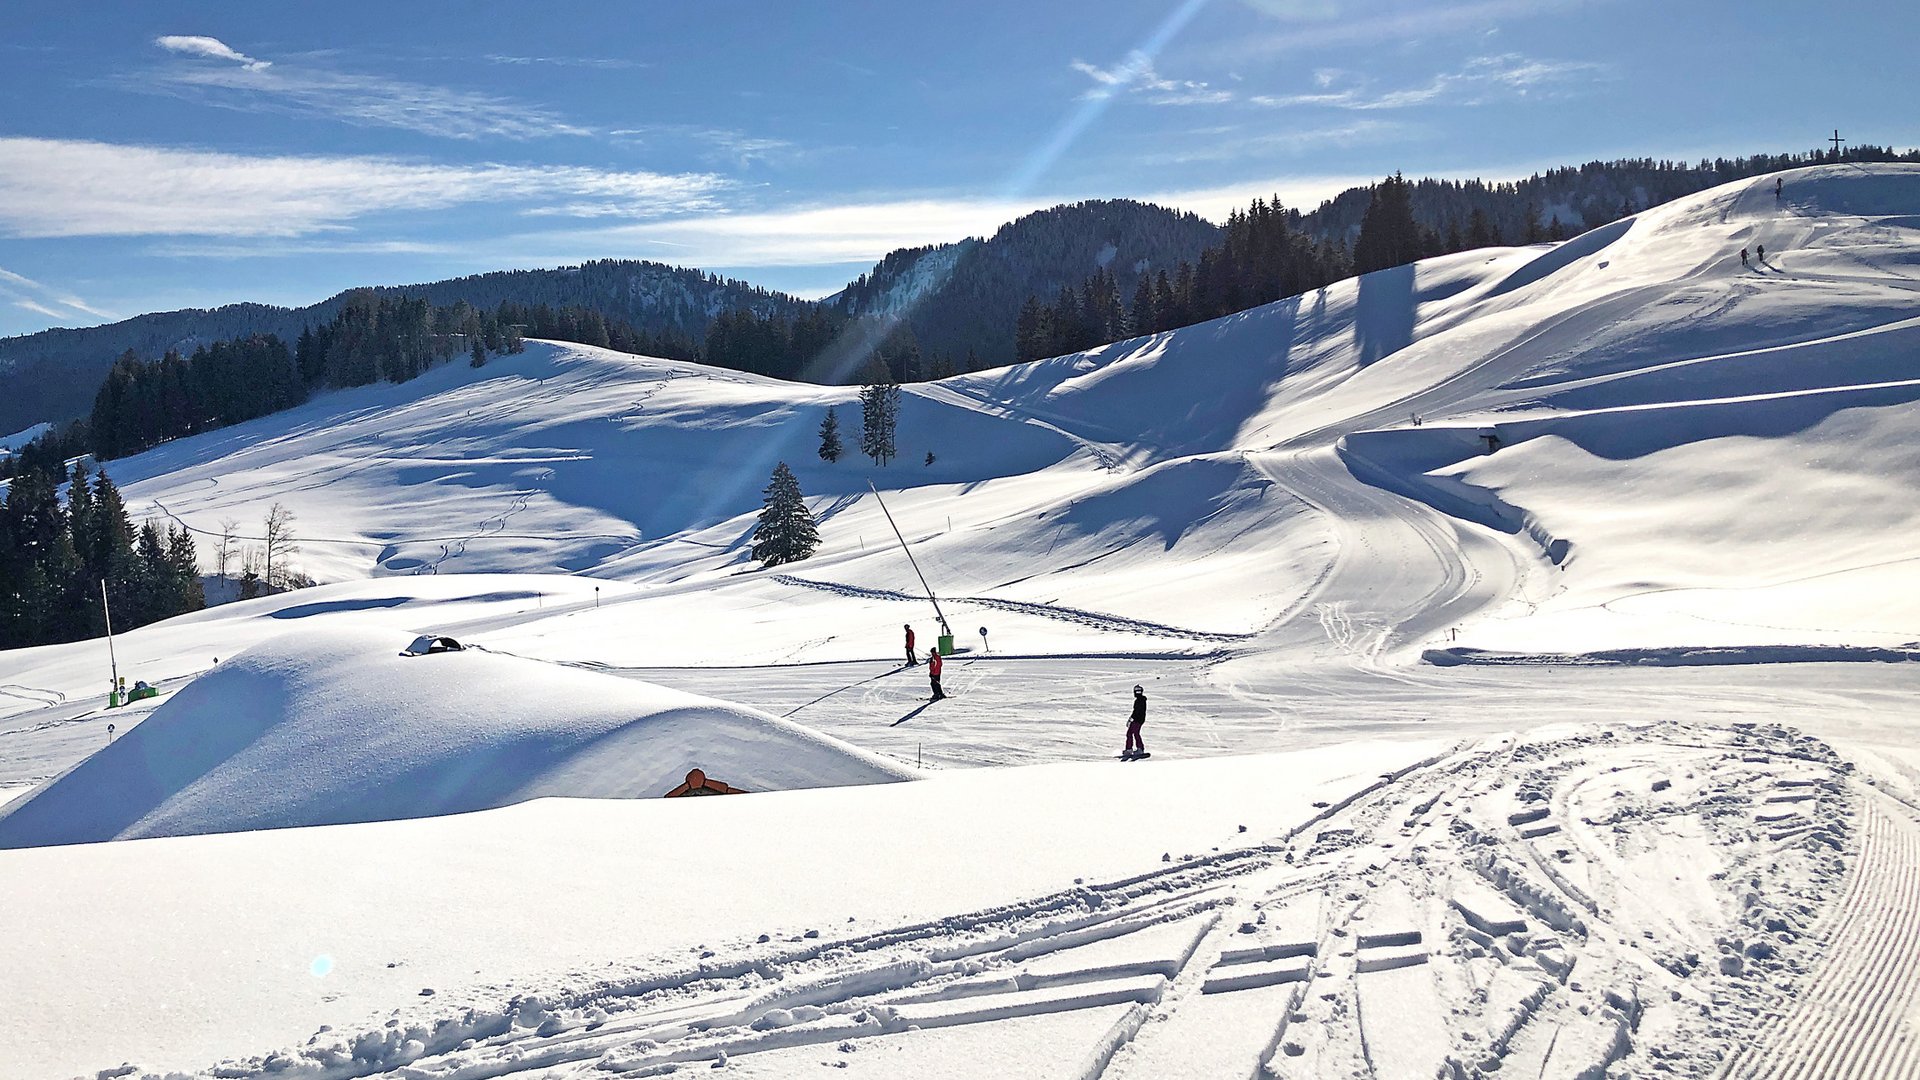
602	903
1135	976
1625	865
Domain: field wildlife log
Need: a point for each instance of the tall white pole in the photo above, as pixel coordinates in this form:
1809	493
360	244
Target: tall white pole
944	628
108	612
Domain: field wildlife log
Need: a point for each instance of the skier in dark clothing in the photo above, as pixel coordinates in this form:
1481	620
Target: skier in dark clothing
912	657
1777	182
933	673
1136	746
1743	256
1760	252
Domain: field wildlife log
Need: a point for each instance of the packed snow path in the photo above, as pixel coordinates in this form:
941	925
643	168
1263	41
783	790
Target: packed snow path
1543	906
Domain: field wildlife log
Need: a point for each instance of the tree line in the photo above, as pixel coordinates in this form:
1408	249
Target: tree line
55	554
1262	257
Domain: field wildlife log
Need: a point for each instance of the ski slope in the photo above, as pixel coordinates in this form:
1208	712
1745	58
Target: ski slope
1632	674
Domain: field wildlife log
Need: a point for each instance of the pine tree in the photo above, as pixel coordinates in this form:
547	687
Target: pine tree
879	413
830	448
478	357
787	532
1389	236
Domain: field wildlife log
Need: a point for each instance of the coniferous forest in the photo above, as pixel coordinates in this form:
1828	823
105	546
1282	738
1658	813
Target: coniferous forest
54	555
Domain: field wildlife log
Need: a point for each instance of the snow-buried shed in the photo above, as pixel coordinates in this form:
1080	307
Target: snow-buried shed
335	726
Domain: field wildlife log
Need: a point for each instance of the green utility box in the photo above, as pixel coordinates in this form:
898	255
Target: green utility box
946	644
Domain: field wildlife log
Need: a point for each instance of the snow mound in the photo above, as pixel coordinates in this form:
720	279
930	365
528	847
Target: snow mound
336	726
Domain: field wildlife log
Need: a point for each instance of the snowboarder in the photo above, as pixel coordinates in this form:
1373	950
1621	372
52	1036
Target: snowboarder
1743	256
1136	746
913	658
933	673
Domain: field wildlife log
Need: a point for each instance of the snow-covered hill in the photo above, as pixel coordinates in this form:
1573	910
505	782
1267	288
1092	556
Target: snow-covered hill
1204	480
338	725
1529	531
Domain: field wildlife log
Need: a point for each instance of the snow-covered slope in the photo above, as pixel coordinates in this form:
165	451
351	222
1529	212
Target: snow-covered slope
1220	479
1659	865
336	725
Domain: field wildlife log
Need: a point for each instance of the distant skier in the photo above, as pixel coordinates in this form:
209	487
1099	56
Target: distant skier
1760	252
1136	746
933	673
1743	257
1777	182
913	658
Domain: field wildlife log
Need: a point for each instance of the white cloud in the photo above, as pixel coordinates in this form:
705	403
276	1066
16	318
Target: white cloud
1263	144
354	98
1402	20
1136	75
213	48
598	62
1479	80
58	187
795	236
34	296
727	144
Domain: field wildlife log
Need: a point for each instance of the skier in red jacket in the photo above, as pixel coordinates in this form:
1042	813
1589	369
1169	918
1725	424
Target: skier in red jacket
933	672
912	657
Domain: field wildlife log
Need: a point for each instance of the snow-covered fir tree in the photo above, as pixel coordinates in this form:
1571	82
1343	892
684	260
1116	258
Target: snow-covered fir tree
830	448
787	532
879	412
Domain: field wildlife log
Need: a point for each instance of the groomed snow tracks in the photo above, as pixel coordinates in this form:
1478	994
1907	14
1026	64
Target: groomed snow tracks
1857	1017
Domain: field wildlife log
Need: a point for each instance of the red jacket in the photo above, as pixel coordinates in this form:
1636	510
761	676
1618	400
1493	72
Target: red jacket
909	641
933	665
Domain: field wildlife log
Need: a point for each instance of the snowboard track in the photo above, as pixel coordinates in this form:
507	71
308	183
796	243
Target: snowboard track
1408	889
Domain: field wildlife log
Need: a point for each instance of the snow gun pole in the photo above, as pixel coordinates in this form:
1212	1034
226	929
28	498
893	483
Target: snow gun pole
944	629
112	663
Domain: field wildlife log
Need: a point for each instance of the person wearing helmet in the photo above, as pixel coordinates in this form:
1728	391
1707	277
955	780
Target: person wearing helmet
1136	746
912	658
933	673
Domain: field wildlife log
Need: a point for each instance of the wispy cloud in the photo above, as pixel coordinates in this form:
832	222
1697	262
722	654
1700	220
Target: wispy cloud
793	236
212	48
58	187
1321	24
726	144
599	62
214	73
1479	80
54	303
1136	75
1258	145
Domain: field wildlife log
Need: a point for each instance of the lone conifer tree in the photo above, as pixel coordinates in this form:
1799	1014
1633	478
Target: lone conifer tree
830	448
787	532
879	410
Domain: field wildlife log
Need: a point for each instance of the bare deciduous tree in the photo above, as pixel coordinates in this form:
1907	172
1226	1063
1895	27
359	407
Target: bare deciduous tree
280	544
225	552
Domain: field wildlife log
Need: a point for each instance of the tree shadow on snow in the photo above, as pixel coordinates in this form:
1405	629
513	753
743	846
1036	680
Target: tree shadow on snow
1383	313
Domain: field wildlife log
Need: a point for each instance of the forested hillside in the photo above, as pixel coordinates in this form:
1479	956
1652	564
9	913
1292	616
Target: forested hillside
52	375
964	297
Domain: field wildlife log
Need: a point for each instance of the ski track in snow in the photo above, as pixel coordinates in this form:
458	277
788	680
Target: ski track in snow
1857	1015
1448	888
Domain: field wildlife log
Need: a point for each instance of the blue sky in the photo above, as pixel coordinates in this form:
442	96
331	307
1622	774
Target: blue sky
163	155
